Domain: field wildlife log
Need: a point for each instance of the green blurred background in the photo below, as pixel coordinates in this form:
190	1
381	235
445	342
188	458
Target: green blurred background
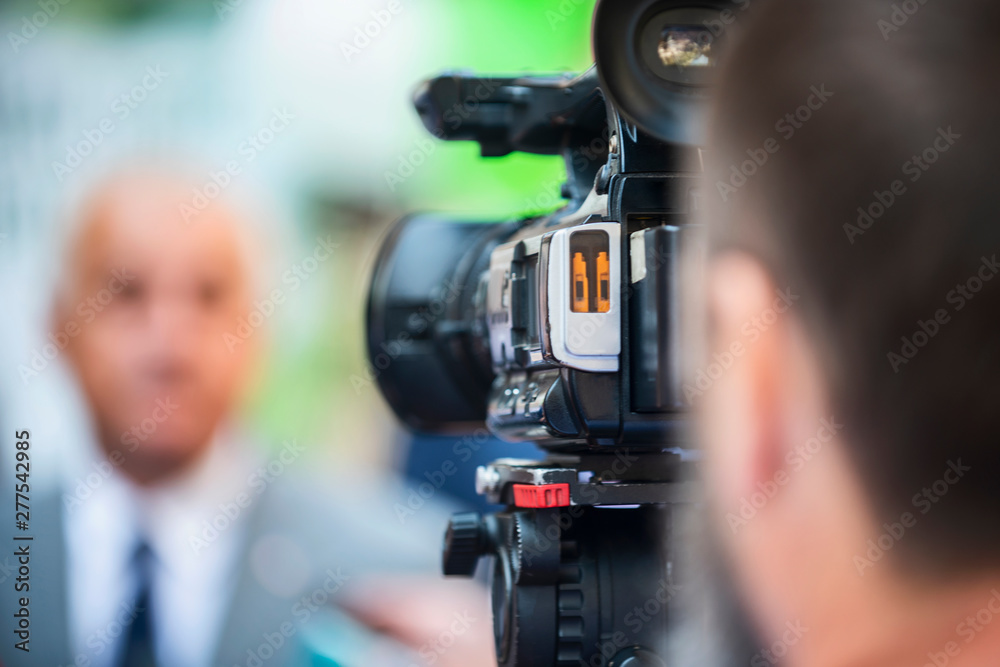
232	62
519	36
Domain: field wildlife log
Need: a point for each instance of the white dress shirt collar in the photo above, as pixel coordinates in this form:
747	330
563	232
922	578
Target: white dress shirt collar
196	532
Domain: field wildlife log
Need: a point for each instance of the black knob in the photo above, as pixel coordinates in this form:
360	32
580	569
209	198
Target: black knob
464	543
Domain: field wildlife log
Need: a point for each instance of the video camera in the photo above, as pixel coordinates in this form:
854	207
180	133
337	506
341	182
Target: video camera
565	330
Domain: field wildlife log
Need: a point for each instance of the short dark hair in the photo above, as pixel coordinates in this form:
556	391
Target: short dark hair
854	149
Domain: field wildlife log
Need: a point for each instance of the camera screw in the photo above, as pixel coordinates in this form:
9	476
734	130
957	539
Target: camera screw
487	480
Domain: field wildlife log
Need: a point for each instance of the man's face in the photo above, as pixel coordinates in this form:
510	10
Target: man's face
154	298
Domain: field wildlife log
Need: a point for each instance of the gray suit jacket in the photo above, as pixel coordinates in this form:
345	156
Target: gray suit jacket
347	535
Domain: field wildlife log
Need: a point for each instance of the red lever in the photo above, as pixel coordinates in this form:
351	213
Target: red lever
544	495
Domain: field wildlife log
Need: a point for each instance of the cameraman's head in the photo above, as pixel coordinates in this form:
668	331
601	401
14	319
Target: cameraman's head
852	406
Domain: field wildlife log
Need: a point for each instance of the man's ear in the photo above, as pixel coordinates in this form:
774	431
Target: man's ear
747	366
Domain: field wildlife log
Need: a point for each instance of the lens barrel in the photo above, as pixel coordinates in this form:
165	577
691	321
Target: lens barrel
426	340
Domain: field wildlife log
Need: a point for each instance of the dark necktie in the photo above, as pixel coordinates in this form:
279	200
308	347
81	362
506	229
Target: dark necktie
138	649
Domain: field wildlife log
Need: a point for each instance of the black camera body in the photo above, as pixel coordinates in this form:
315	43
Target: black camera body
565	330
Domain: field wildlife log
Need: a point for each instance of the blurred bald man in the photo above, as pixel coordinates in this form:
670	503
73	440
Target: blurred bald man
196	550
156	350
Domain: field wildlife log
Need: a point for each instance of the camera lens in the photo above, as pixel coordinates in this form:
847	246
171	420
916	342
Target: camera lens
677	46
655	60
427	348
686	49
